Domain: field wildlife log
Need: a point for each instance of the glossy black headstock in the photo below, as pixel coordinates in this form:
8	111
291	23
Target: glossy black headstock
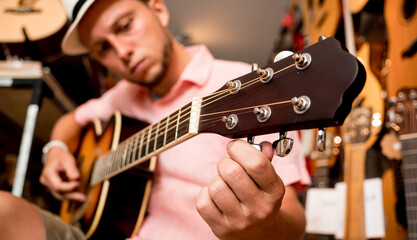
330	81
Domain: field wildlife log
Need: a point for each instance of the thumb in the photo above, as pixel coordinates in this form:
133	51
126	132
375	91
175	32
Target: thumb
70	168
267	149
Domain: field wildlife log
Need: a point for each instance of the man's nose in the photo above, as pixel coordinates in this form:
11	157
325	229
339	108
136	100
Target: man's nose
122	48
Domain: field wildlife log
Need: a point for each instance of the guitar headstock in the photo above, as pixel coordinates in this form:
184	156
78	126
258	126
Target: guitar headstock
403	114
312	88
357	127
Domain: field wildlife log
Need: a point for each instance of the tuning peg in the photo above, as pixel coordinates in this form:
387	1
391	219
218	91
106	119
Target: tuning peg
282	147
230	121
321	139
301	104
262	113
265	74
283	54
322	37
257	146
302	61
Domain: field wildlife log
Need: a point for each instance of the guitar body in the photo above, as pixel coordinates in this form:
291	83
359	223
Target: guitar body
401	21
321	17
44	22
114	206
356	6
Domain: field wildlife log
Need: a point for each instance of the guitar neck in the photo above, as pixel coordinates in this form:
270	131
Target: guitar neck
355	157
175	128
409	160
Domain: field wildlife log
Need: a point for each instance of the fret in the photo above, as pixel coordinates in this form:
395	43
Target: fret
183	126
171	129
140	155
155	139
123	151
131	151
178	122
160	141
135	148
109	163
147	141
126	155
166	129
119	154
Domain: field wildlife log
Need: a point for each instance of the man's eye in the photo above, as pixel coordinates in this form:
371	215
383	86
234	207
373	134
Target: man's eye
103	49
126	25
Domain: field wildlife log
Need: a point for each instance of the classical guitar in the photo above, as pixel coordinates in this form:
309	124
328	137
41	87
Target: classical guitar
283	96
405	123
42	22
401	21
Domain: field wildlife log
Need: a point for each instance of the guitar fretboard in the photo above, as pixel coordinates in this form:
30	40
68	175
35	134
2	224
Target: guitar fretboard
175	128
409	159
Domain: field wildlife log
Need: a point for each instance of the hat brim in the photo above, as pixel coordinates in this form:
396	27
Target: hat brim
71	43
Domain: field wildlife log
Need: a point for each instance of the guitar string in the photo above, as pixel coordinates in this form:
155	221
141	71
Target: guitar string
245	85
213	95
129	151
188	111
249	83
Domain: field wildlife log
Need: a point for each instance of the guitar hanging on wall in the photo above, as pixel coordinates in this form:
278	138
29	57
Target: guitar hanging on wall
35	24
405	123
320	17
401	21
283	96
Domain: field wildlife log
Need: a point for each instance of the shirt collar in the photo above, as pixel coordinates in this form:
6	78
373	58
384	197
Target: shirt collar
199	68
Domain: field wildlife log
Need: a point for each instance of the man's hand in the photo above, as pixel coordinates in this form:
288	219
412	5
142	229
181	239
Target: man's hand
244	200
61	175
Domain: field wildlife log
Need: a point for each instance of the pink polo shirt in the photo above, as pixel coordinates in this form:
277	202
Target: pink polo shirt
183	170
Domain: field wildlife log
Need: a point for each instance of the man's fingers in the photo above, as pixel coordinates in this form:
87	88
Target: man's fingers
223	197
257	164
207	208
239	181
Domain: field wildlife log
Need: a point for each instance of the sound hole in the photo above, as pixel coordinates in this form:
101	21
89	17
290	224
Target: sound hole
409	9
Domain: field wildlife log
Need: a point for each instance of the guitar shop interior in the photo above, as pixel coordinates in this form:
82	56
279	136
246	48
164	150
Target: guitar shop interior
363	174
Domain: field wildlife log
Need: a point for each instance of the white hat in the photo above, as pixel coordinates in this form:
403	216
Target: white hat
71	43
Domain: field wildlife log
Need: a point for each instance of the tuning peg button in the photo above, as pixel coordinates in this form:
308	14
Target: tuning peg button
321	139
265	74
282	147
283	54
322	37
257	146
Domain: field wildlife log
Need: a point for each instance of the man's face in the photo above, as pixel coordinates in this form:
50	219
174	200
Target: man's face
128	38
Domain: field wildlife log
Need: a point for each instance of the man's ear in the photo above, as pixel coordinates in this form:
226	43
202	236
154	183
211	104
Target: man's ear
160	10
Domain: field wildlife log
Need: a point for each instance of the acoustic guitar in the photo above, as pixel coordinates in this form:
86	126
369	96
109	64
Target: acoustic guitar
32	24
360	132
405	123
283	96
320	17
401	21
355	6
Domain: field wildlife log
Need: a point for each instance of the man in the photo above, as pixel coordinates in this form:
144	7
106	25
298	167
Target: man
198	192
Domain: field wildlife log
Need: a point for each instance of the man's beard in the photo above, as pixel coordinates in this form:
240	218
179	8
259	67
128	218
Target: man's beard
166	60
